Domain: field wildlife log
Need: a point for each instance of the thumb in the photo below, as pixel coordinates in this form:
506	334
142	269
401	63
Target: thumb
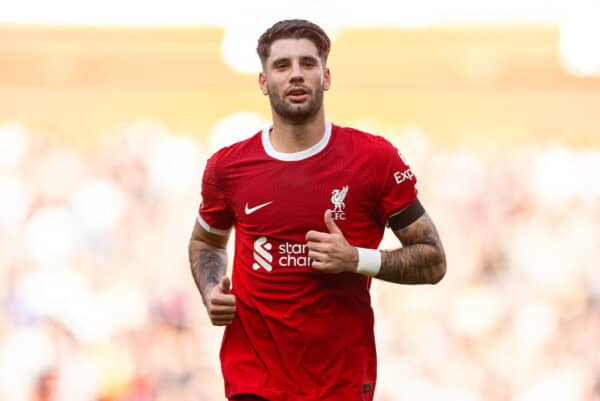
225	285
330	223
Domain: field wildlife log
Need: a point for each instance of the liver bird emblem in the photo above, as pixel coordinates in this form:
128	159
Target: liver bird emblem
337	198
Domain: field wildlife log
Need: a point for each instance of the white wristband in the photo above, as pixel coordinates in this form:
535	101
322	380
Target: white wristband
369	261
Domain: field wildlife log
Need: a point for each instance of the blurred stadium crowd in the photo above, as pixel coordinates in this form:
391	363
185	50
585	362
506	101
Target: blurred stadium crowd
97	302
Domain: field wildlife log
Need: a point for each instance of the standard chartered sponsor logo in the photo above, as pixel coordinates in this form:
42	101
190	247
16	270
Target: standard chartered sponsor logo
261	254
289	254
294	255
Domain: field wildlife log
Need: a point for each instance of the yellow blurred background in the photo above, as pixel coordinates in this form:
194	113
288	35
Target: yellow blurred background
454	82
104	131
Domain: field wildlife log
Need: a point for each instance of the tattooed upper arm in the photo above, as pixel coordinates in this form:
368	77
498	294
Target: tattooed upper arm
421	260
421	231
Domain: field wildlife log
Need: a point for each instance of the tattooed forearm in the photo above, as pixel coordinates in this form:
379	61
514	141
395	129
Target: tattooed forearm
420	261
208	264
414	264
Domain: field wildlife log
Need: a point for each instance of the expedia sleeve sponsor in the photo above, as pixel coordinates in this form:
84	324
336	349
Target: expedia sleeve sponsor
395	181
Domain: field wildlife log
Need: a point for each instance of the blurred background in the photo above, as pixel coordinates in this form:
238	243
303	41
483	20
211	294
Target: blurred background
109	110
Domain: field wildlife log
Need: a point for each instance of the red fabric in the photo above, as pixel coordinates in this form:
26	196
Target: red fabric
300	334
247	397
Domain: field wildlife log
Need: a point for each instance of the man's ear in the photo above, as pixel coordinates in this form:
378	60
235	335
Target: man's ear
262	83
326	79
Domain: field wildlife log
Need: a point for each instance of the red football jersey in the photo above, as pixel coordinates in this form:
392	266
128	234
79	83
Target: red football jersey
300	334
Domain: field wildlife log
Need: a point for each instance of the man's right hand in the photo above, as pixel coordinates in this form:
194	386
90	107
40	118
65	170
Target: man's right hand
220	303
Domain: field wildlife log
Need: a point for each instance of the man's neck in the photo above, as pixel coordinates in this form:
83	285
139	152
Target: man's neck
286	137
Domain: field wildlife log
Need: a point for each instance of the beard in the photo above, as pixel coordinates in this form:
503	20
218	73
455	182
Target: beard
297	113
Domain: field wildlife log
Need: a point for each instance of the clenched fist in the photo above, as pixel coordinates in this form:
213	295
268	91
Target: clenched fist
330	252
220	303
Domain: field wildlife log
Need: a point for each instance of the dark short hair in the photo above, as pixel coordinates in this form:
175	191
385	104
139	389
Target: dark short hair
294	29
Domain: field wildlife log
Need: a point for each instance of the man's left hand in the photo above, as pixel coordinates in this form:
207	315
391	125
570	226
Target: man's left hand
330	252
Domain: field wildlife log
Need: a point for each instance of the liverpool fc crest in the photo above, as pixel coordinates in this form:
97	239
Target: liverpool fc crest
337	198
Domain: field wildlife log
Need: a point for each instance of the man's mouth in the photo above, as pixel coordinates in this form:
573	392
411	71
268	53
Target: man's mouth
297	95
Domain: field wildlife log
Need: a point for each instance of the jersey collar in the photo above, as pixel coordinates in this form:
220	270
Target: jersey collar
303	154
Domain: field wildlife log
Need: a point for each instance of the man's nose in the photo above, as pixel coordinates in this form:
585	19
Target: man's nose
296	75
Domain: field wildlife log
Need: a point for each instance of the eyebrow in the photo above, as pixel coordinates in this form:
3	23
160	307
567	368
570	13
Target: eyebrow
302	58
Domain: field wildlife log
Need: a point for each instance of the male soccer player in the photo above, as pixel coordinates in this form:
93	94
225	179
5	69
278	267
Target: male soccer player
309	201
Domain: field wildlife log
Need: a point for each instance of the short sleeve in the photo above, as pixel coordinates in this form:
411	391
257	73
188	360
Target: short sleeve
214	214
395	182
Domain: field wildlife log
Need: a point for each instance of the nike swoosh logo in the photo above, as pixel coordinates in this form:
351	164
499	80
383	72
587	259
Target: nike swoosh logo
250	210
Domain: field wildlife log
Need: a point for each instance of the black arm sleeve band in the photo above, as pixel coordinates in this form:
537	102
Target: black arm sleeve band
406	216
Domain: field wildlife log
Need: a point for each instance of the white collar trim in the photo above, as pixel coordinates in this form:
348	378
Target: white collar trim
303	154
